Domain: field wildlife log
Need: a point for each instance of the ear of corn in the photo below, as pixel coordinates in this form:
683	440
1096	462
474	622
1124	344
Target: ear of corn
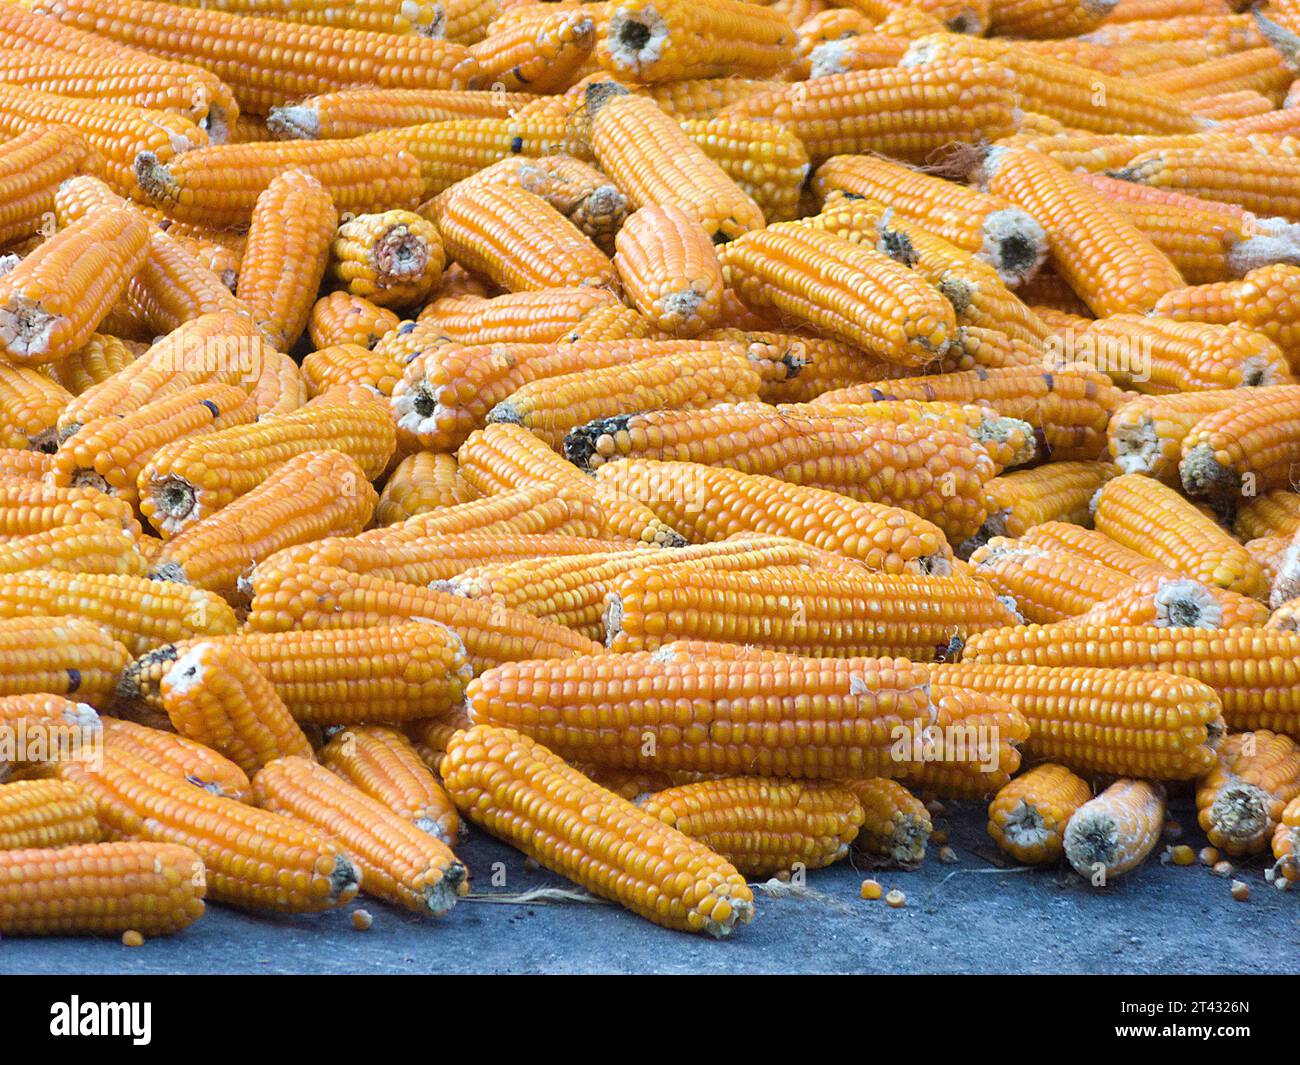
1112	834
1240	802
896	825
1028	817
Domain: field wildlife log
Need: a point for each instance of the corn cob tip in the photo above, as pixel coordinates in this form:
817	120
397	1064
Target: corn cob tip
345	880
1203	474
168	571
293	122
1025	829
1240	811
636	37
128	684
25	326
1015	244
154	179
7	263
599	93
1282	245
1284	41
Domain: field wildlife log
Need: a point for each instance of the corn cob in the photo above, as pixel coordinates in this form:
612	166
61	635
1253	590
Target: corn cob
1268	551
801	612
1275	513
1028	817
1093	546
137	612
1113	267
857	51
41	729
1244	449
991	228
384	764
215	695
28	507
220	185
255	859
448	390
907	113
526	512
342	318
30	404
189	480
1045	585
763	827
1071	408
422	482
934	473
1232	107
327	598
1059	491
293	60
505	457
350	364
689	99
1258	182
381	16
654	161
1283	122
391	259
1286	842
108	453
177	756
657	872
1284	582
280	387
90	547
541	317
51	303
355	112
1176	603
288	249
541	57
100	889
45	814
677	39
23	464
796	368
766	161
1083	717
1155	521
852	293
1112	834
669	269
1059	18
31	169
895	826
394	673
551	407
1241	801
1251	670
220	250
316	493
1259	69
1146	435
431	737
397	860
836	733
709	503
69	657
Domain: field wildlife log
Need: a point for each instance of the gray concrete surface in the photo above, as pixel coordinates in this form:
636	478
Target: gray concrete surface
972	917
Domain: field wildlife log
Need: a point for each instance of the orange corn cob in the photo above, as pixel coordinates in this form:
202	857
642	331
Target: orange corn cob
1231	107
1111	265
31	169
69	657
506	457
1258	182
815	614
519	241
1252	670
553	406
293	60
907	113
1286	842
51	303
928	470
527	512
710	503
397	860
315	494
1059	18
288	249
857	51
1172	602
384	764
45	814
1146	435
424	481
355	112
1084	718
1093	546
342	318
108	453
1241	801
677	39
761	826
350	364
1155	521
1275	513
30	405
382	16
431	737
220	185
1259	69
23	464
139	613
654	161
669	269
541	317
397	672
255	859
392	259
808	718
189	480
491	633
766	161
45	730
1244	449
700	98
215	695
1027	818
1283	122
100	889
1045	585
540	57
1059	491
520	791
853	293
895	827
84	547
1071	408
1112	834
177	756
993	229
